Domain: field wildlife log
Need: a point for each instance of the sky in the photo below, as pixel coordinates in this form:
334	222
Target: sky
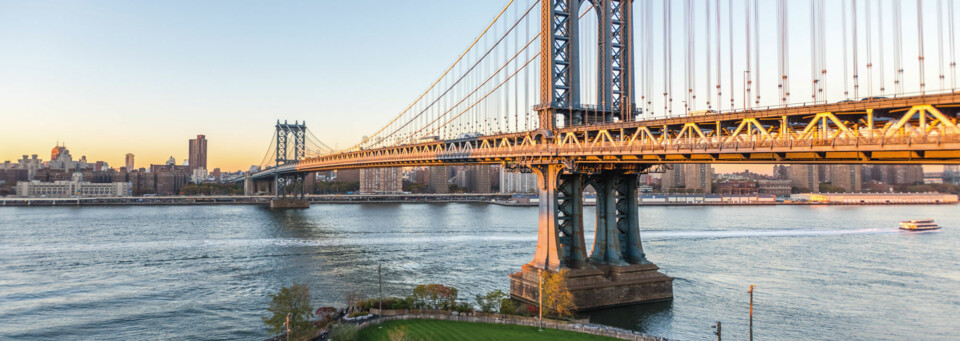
114	77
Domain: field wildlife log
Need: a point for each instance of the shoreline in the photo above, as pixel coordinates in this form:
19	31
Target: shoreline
492	199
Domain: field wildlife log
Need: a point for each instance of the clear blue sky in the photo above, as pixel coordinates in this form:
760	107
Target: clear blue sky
112	77
143	77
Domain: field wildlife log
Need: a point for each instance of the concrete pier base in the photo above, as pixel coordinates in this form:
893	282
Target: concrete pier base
600	286
280	204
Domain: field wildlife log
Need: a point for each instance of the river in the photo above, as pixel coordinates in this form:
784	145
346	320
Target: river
204	272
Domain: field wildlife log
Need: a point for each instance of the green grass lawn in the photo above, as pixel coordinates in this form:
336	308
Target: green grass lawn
453	330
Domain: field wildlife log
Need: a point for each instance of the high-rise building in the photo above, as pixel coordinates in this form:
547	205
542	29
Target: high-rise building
805	177
437	180
699	178
130	163
517	182
673	179
381	180
198	153
696	178
848	177
479	179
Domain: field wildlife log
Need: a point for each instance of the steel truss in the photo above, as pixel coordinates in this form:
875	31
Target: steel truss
901	130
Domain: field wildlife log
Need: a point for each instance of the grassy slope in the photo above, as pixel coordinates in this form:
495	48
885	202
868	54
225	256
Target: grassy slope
452	330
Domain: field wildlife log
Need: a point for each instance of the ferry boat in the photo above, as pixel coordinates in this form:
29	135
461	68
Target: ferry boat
919	225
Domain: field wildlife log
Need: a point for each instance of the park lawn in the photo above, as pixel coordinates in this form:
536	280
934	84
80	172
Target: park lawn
453	330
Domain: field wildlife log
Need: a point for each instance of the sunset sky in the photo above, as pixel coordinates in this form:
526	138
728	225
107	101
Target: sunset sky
114	77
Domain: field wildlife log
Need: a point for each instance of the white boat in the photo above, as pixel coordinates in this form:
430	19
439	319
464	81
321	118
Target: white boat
919	225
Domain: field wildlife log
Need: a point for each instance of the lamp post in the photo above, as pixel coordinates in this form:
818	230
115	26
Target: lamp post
380	281
540	298
751	310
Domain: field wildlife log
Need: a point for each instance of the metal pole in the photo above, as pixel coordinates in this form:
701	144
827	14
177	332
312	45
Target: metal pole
540	298
751	311
380	280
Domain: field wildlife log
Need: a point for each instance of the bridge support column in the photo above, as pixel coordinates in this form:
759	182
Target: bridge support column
617	272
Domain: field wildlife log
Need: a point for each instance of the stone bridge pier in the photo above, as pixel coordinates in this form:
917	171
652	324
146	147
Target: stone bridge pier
616	272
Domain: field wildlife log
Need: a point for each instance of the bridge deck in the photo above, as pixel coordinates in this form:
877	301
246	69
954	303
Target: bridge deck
916	129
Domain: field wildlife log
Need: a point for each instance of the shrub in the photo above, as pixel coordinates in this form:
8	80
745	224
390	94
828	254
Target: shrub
434	296
358	313
508	306
491	301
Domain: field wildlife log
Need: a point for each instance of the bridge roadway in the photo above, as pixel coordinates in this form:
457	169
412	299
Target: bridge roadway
916	129
905	130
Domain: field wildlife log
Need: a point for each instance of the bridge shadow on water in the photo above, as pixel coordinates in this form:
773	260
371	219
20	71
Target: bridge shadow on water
645	318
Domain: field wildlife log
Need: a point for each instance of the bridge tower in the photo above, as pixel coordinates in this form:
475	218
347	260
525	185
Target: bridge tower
617	271
284	131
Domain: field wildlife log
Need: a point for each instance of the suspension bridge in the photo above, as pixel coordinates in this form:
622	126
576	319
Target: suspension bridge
585	93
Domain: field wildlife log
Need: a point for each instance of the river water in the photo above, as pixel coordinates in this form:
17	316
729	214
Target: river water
191	272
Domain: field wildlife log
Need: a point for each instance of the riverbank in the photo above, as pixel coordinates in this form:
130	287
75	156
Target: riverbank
492	198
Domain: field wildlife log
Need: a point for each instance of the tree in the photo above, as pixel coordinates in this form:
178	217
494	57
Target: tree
491	302
435	296
294	301
557	299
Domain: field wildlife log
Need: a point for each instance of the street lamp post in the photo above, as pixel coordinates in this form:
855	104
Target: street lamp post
751	311
540	298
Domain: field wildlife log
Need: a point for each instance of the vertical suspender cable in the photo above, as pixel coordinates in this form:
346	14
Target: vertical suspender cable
686	57
923	85
813	49
897	48
856	65
749	76
953	51
719	92
869	36
823	51
940	41
730	29
670	54
882	50
756	55
643	56
706	51
846	70
693	55
666	56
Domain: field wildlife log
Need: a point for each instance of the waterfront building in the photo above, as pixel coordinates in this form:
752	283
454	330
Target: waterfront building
381	180
774	187
877	198
805	177
73	188
130	163
198	153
